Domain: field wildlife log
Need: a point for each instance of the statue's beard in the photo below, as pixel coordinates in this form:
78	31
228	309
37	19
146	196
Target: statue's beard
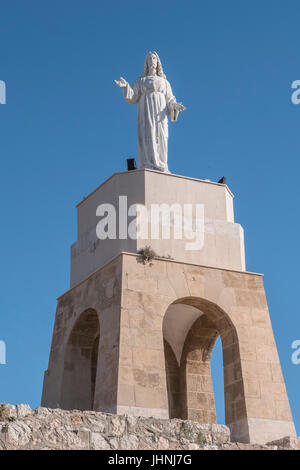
152	70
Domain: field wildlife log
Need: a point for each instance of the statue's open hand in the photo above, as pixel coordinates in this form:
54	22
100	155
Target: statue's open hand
121	83
180	107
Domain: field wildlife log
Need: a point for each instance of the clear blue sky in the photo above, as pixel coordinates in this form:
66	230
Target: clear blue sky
65	128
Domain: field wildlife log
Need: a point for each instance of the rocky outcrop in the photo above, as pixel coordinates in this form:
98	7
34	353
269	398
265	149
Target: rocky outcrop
43	428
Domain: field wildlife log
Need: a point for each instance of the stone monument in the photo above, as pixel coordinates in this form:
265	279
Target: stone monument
134	335
153	94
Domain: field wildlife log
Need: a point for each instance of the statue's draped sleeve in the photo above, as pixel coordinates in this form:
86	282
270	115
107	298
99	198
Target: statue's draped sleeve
132	94
171	102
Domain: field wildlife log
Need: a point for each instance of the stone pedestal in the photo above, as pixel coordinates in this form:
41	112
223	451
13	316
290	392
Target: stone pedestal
137	338
223	238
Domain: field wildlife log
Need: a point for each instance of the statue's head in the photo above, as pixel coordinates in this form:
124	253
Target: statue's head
152	59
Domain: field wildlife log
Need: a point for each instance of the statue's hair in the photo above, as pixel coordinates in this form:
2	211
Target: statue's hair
159	69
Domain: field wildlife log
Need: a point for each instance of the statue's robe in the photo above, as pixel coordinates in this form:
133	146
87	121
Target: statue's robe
156	103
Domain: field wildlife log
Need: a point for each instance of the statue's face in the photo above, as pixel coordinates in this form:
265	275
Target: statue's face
152	61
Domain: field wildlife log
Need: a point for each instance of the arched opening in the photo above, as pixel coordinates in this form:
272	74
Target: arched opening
217	375
191	327
80	364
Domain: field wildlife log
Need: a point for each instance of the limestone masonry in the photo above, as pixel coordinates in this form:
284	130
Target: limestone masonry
136	338
46	429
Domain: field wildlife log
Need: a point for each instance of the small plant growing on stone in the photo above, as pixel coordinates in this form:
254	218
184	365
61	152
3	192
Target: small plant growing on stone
5	428
200	439
2	409
147	255
9	419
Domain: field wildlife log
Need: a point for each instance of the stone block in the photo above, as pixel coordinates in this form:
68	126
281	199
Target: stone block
126	395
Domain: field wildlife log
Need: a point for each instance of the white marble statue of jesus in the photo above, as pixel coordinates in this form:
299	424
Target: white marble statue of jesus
153	94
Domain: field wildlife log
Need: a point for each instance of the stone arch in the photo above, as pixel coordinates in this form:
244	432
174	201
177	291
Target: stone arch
191	326
80	363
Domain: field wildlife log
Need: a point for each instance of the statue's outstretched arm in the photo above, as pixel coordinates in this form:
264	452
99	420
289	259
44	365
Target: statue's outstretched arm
121	83
131	94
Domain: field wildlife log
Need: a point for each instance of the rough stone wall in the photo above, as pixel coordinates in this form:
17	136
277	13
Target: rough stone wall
45	429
